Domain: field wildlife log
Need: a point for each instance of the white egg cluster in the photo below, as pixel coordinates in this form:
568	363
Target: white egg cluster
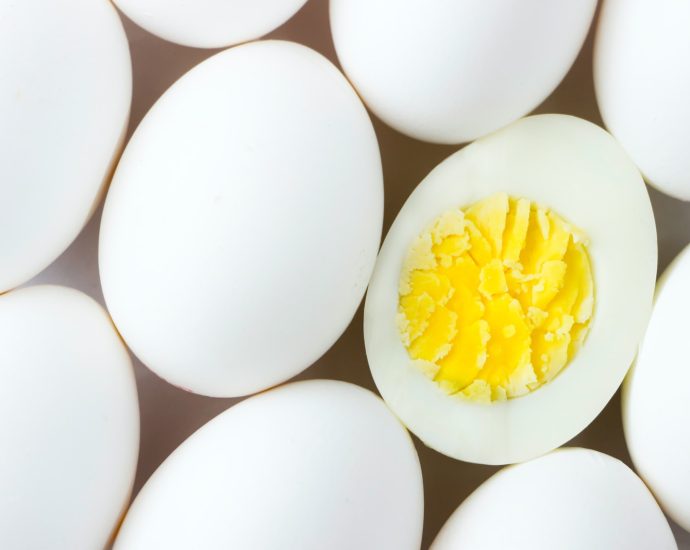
240	230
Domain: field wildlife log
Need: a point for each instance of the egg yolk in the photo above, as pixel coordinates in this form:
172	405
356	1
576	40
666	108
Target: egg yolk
495	299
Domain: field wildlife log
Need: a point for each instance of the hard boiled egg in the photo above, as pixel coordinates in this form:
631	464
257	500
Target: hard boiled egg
449	71
310	465
65	91
69	421
642	79
209	23
512	290
243	221
569	499
656	411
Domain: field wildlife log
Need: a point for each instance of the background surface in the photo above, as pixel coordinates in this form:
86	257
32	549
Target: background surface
169	415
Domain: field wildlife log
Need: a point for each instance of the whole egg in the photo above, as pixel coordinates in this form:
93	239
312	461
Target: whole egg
310	465
512	291
69	421
569	499
450	71
656	411
642	81
65	91
209	23
243	220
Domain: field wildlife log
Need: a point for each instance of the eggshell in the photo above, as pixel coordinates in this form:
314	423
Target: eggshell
642	78
69	421
243	221
310	465
569	499
656	409
582	173
65	93
209	23
448	71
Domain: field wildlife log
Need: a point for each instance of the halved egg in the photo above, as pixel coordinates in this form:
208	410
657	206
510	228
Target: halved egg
512	290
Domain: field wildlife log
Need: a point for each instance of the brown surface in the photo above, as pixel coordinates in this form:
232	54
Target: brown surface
169	415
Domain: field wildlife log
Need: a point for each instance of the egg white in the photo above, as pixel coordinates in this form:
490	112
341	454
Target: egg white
578	170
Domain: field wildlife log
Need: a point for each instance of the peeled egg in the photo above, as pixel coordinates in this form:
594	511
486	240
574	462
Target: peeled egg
243	221
569	499
69	421
310	465
447	71
656	411
65	93
642	81
512	290
209	23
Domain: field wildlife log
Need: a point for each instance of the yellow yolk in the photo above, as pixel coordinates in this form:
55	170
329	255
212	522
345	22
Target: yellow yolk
495	299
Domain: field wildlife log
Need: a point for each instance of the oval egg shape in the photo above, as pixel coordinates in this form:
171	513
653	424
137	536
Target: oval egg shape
569	169
571	498
311	465
243	220
448	71
69	421
642	82
65	94
209	23
656	411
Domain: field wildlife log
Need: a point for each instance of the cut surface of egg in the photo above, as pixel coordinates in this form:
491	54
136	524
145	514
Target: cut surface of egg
310	465
69	421
209	23
485	305
448	71
243	221
569	499
64	108
656	410
642	82
493	322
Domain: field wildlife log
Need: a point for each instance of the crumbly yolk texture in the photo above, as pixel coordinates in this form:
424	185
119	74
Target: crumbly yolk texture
495	299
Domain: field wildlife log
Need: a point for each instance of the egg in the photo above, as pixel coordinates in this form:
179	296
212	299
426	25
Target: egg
512	290
311	465
656	412
69	421
642	81
243	221
571	498
448	71
209	23
65	94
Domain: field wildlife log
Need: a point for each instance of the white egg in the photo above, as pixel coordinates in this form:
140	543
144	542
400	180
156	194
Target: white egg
450	71
656	410
209	23
243	221
65	93
581	173
69	421
642	81
310	465
569	499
